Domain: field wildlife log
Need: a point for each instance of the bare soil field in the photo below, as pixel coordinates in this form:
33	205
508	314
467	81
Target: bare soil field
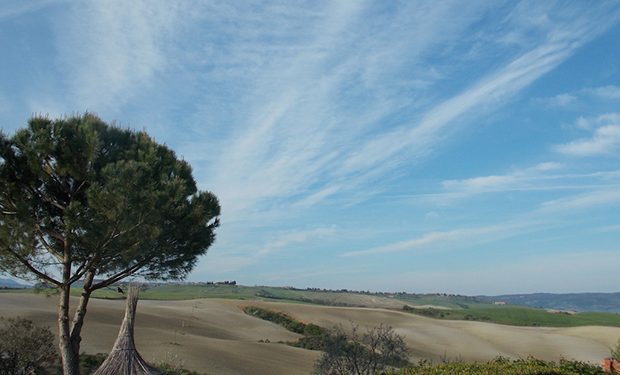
216	337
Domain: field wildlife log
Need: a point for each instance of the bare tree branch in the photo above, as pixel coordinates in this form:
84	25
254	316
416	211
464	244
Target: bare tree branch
32	269
121	275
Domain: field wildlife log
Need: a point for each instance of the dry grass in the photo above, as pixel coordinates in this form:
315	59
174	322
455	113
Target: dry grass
215	336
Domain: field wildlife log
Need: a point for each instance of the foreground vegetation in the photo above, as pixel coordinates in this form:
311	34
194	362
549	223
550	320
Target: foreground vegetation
379	349
503	366
89	363
285	321
314	336
27	349
357	352
351	352
24	347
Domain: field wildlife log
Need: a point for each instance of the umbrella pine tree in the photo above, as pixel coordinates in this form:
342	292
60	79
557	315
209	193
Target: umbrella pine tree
81	200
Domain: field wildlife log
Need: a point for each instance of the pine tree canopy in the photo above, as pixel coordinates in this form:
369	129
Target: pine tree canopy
79	196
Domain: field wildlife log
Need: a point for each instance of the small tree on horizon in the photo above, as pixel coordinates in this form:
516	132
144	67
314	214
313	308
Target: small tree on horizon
83	200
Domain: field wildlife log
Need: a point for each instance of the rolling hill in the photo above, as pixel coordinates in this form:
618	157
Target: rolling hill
214	335
604	302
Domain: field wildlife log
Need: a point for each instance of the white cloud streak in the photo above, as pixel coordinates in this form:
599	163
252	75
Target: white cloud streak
243	255
423	137
327	98
112	51
543	176
564	100
604	141
11	9
560	100
299	141
296	237
544	216
464	237
596	198
610	92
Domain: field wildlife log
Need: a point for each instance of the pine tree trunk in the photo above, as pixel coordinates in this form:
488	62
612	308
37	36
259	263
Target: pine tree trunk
80	312
70	359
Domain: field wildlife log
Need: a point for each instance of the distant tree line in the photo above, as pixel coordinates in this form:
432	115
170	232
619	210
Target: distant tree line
233	282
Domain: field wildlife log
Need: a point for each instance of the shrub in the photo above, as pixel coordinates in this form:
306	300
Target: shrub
367	353
168	369
615	351
25	348
277	317
89	363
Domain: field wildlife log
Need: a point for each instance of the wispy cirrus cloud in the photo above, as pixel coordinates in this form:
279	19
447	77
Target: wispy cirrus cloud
611	92
605	140
244	255
542	217
588	200
111	52
516	180
547	176
567	99
609	228
300	140
304	125
560	100
454	238
304	115
296	237
10	9
588	123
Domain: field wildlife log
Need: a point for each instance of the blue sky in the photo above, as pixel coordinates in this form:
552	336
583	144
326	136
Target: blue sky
464	147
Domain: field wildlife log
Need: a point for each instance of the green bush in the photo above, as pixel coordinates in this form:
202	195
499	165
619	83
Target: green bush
615	351
503	366
313	335
89	363
278	318
168	369
427	311
310	342
313	330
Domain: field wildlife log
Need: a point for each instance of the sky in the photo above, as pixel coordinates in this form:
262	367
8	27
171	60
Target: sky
420	146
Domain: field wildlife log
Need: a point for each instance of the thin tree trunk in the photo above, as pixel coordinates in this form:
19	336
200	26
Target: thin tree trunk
70	359
80	312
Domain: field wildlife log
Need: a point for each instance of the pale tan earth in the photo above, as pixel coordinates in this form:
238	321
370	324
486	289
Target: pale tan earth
216	337
359	300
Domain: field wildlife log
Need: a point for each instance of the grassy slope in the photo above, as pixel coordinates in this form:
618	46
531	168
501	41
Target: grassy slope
187	292
443	300
455	307
522	316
